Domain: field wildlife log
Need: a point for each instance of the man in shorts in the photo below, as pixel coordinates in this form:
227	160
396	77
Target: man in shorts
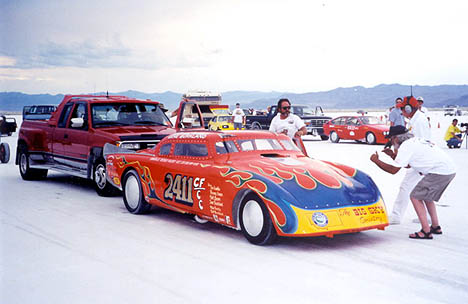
436	167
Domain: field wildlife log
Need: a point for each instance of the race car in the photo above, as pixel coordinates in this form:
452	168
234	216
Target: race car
221	122
368	129
258	182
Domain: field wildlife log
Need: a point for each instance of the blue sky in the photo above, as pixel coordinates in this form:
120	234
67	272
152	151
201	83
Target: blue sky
296	46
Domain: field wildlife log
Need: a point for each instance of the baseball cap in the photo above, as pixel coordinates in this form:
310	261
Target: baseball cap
420	98
396	130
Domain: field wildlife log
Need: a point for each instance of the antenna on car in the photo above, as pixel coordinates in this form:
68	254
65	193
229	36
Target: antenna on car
107	94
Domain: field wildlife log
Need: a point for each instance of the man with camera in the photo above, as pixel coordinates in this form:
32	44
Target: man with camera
453	136
431	163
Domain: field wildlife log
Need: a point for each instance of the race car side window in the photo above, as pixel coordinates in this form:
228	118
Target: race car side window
223	147
165	149
190	149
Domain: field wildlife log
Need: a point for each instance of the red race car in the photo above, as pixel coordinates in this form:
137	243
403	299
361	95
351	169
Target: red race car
255	181
369	129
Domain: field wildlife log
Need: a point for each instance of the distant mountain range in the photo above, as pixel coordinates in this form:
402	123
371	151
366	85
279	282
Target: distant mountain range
378	97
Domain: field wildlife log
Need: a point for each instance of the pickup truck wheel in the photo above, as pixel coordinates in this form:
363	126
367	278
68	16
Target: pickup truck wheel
255	221
324	137
370	138
4	153
255	126
103	188
334	137
133	193
26	172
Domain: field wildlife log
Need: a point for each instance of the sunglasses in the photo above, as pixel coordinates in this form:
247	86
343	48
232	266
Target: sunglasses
286	108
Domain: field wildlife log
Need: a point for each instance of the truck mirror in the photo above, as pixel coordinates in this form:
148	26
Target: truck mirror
77	122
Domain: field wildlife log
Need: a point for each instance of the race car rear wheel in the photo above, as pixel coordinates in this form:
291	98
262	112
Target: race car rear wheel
370	138
334	137
102	186
255	221
4	153
26	172
133	194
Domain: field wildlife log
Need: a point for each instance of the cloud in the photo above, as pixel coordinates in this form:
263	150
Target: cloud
105	54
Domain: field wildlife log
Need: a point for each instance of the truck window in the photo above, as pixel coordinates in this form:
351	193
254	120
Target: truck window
64	116
128	114
80	112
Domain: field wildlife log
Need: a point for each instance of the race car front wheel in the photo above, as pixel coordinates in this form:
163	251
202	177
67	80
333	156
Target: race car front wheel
255	221
370	138
133	194
334	137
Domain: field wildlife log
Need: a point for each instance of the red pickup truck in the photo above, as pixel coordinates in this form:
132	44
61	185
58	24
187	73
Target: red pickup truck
72	139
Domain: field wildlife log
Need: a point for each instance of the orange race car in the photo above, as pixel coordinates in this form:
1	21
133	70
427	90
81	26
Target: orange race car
255	181
368	129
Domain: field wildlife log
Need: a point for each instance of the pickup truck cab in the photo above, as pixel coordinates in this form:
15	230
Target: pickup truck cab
313	119
72	139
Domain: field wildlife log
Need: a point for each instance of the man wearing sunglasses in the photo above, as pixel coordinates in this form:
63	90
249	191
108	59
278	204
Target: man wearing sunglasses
287	123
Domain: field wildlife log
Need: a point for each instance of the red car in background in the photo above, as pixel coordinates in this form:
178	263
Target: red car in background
369	129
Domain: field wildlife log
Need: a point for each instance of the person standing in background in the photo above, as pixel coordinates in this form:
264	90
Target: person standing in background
395	117
238	117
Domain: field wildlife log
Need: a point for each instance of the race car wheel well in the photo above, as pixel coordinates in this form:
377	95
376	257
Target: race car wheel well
255	220
236	205
133	196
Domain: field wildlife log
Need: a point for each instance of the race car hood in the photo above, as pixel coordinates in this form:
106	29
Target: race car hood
305	183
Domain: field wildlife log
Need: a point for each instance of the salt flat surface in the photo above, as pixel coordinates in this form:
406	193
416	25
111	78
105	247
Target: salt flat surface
61	243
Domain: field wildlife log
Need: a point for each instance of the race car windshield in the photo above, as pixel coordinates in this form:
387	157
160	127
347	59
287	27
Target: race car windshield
259	144
371	120
128	114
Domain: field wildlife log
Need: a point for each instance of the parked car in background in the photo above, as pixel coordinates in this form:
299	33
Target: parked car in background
452	110
221	122
38	112
313	119
369	129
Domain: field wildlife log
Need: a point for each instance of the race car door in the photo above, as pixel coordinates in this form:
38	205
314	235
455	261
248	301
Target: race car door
340	127
352	126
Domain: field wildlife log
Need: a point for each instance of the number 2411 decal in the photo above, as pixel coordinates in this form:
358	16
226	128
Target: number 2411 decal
181	187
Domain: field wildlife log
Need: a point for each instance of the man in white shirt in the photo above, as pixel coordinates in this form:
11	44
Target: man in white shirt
436	167
238	117
419	127
287	123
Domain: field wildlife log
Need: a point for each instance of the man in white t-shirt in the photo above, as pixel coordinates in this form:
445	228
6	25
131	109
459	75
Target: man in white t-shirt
418	125
436	167
238	117
287	123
